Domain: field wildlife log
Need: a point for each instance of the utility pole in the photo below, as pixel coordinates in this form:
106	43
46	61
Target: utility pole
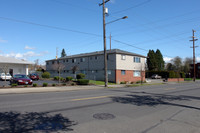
104	40
110	41
193	40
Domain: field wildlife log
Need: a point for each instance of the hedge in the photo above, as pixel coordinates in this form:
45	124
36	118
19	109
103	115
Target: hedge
83	81
46	75
80	76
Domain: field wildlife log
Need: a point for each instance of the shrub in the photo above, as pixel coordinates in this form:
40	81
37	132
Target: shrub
80	76
182	74
64	84
45	84
53	84
13	85
62	79
56	78
69	78
72	83
46	75
172	74
123	82
138	82
34	85
83	81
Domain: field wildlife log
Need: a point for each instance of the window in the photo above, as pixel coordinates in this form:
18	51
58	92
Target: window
73	60
109	72
91	58
123	72
136	73
82	59
52	62
58	62
47	63
67	60
107	57
136	59
63	61
96	57
83	71
123	57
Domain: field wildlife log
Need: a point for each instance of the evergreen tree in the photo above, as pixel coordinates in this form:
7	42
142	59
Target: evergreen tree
159	61
151	60
63	54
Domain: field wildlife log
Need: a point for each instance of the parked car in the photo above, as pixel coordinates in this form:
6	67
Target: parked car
156	76
21	79
4	76
34	76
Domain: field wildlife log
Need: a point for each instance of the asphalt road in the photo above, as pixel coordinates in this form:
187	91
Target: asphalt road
170	108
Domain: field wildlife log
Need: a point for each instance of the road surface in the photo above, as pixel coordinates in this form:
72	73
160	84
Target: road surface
170	108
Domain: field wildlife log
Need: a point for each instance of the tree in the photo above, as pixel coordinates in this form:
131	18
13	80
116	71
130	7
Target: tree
187	62
63	54
74	70
159	61
169	67
177	62
151	60
58	67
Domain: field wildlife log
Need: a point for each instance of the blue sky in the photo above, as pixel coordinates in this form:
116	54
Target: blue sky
33	29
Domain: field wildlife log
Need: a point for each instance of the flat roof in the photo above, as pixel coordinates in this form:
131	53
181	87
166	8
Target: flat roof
10	60
113	51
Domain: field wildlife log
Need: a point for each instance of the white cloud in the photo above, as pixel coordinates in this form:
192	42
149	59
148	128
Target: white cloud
167	59
112	1
25	55
198	59
29	48
3	41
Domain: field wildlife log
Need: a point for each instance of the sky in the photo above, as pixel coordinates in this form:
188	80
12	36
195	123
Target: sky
36	29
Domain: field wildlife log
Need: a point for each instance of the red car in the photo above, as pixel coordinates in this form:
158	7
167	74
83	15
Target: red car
21	79
34	76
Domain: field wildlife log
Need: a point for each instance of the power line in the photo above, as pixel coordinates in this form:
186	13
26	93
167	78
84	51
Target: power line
49	26
79	7
138	5
135	46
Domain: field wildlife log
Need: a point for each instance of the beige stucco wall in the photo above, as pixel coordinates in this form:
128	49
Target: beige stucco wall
128	63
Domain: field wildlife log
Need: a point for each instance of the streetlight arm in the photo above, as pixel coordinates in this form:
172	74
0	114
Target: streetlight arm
125	17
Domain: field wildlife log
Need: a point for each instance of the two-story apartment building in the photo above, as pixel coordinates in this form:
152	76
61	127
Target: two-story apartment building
122	66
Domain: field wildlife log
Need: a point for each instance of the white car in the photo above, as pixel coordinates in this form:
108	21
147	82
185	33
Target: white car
3	76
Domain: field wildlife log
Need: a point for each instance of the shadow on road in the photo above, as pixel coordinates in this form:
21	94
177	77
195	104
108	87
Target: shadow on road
150	99
15	122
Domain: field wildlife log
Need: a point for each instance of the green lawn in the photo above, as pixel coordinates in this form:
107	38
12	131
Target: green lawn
99	82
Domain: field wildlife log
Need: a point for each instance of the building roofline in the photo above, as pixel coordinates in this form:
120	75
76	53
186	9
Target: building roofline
113	51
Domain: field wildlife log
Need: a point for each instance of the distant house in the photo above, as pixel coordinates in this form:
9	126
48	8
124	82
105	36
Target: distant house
122	66
13	66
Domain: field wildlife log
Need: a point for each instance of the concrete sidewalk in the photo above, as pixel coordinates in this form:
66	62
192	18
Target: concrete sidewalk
47	89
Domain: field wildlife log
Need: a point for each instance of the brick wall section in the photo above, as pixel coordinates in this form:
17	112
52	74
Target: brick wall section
175	79
128	77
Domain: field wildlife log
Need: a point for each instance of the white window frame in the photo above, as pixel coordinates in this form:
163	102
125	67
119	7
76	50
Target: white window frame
123	57
137	73
136	59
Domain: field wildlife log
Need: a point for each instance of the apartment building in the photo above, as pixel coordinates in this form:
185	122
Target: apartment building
122	66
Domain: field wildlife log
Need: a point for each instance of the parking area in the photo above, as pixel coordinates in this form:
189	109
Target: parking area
38	82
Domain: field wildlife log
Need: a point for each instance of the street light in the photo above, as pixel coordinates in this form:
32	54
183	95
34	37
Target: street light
104	39
125	17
